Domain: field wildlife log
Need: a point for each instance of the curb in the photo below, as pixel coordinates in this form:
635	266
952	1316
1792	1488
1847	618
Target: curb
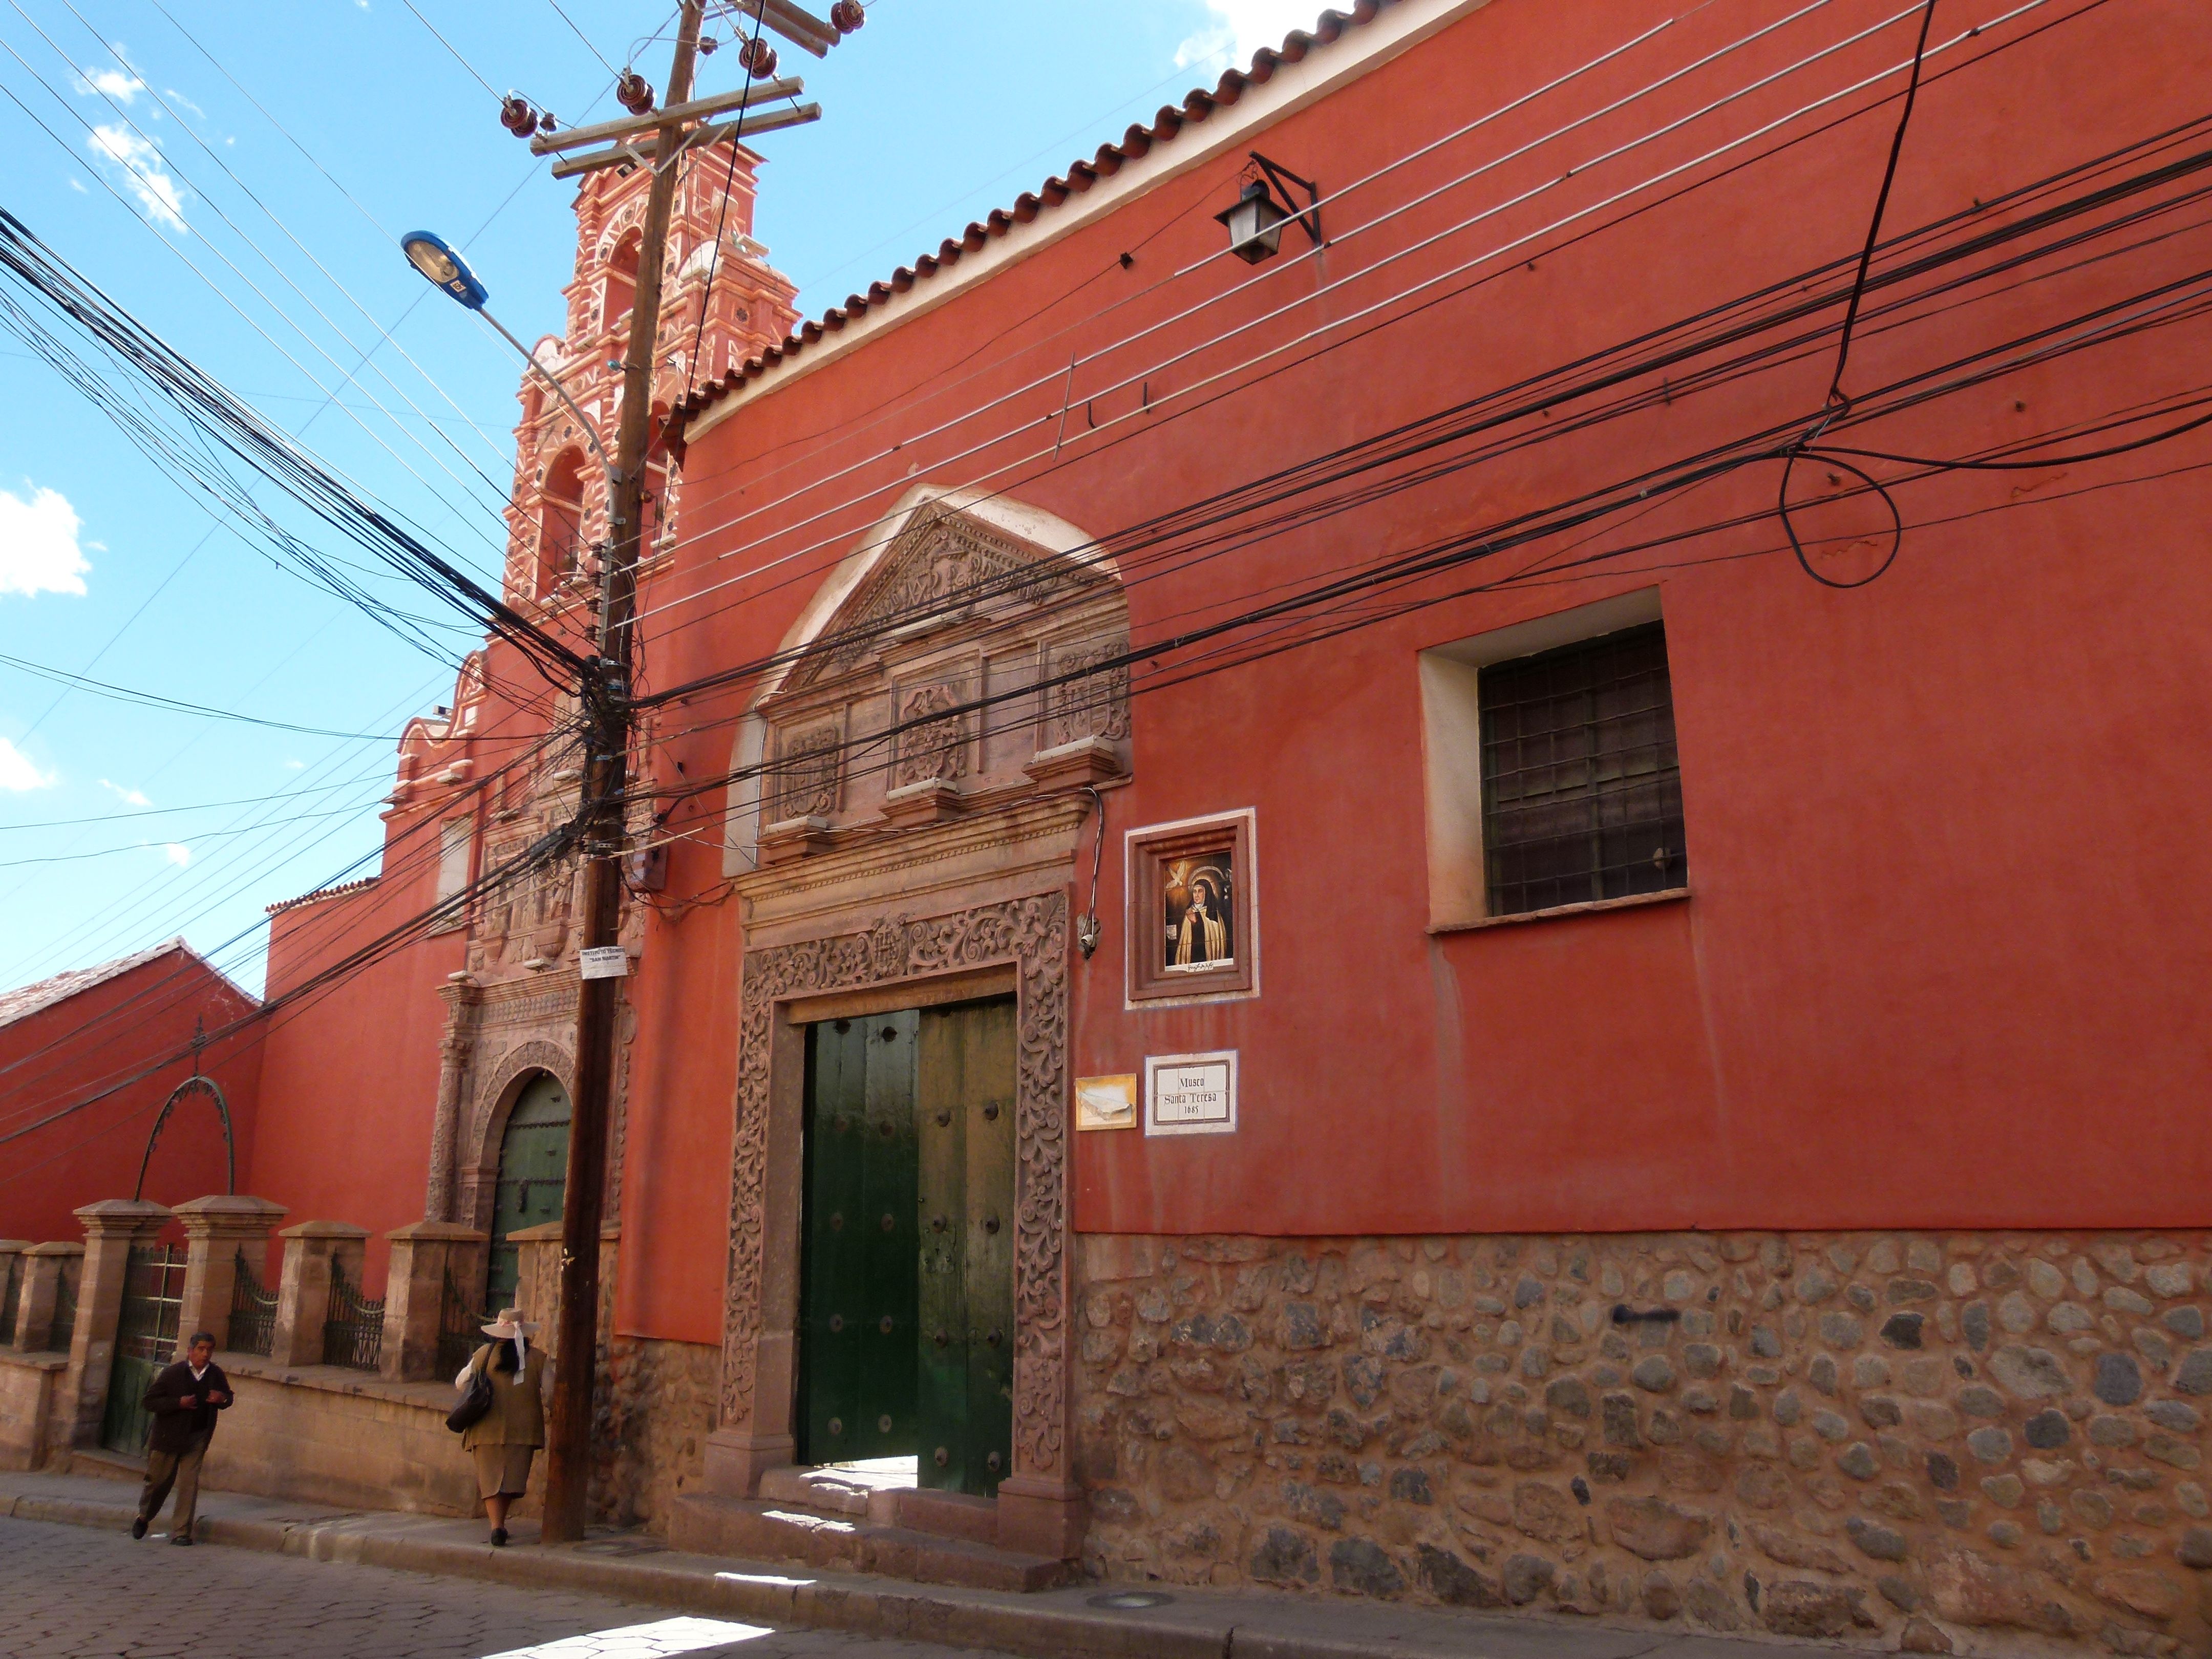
913	1615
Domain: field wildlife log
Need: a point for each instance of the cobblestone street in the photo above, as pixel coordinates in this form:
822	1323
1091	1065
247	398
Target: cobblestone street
80	1593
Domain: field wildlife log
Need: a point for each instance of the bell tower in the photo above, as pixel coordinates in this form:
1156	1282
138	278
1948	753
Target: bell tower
557	514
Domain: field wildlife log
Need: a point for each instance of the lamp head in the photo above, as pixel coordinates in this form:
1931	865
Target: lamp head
437	262
1256	223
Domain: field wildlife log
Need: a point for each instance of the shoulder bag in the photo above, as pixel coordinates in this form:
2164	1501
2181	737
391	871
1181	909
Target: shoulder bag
476	1399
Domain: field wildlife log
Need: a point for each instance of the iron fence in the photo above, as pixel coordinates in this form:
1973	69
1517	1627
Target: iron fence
11	1296
61	1331
253	1312
353	1332
460	1332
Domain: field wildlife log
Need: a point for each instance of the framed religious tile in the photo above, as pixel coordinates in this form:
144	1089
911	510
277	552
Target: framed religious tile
1106	1103
1194	928
1191	1094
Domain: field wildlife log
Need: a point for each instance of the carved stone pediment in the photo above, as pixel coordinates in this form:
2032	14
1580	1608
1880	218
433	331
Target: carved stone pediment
962	655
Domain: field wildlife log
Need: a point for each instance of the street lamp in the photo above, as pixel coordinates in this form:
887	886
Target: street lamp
445	269
1256	219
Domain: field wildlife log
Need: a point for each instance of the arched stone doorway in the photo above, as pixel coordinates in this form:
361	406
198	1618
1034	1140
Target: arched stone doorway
533	1169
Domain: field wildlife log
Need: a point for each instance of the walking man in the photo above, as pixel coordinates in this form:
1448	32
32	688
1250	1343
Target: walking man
183	1400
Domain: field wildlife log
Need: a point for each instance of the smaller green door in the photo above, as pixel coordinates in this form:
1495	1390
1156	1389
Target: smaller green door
857	1297
533	1174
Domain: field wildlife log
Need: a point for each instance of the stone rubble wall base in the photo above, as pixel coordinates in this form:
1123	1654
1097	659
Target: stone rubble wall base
652	1411
1961	1443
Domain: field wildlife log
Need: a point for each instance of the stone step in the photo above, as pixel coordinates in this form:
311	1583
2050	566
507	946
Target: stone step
763	1531
107	1465
884	1498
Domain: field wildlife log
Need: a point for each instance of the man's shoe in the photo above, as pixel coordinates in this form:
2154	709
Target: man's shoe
138	1527
499	1537
181	1538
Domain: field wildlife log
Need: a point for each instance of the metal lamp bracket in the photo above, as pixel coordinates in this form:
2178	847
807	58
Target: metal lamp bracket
1281	180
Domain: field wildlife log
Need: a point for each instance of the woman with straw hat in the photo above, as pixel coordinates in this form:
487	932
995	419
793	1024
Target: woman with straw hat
503	1438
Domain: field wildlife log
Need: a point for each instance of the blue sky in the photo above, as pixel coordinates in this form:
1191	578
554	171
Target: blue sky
234	176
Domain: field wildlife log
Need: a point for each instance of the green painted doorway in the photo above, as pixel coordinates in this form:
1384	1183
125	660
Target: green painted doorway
908	1266
533	1174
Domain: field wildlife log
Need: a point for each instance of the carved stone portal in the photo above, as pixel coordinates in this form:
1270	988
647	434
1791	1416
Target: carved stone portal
1031	935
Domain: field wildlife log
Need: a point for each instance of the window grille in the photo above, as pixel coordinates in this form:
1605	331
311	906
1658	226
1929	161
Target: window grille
253	1312
1582	791
353	1332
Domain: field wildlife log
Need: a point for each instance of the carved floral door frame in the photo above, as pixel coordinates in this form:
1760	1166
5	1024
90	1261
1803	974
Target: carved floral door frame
901	961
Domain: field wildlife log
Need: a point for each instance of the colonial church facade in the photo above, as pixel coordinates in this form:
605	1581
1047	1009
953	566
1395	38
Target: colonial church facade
1283	935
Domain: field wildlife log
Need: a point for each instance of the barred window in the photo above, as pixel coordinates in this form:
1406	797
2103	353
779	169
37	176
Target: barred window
1581	794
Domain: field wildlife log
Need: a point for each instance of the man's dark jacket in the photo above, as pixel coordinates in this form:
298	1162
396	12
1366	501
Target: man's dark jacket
177	1425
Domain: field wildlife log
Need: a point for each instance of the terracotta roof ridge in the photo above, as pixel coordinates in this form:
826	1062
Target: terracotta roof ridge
56	988
1139	140
342	888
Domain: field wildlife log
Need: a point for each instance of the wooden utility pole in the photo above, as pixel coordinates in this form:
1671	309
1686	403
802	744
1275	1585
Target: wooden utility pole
607	723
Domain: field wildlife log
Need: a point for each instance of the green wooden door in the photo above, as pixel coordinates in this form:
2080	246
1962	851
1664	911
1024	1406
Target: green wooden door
965	1107
533	1171
857	1303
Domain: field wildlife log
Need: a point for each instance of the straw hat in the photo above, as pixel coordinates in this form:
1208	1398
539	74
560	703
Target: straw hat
511	1323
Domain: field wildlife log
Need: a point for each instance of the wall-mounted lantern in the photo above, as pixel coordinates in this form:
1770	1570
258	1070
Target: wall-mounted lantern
1265	206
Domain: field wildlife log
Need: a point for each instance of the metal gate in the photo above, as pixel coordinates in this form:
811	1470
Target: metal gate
145	1342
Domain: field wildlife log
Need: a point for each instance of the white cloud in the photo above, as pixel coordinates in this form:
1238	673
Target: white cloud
119	84
179	853
39	549
176	97
17	774
1241	28
293	765
138	163
128	797
77	185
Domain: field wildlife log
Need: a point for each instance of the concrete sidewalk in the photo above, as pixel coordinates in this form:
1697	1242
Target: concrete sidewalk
1184	1624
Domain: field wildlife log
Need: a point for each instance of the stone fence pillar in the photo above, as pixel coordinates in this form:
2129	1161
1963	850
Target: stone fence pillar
217	1228
50	1272
424	1253
537	1281
303	1298
112	1228
12	1269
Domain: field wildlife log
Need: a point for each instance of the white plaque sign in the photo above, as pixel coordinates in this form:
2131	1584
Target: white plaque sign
603	961
1191	1094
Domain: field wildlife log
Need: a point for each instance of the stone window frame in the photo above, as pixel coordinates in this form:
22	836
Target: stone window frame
1142	849
1451	760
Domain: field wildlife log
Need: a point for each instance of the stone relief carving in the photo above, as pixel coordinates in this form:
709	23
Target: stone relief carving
1032	934
1097	705
810	765
938	746
940	562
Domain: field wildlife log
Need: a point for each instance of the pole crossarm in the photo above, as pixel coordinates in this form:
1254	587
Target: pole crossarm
647	155
650	123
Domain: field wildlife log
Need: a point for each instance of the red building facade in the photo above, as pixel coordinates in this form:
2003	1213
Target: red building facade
105	1093
1572	1038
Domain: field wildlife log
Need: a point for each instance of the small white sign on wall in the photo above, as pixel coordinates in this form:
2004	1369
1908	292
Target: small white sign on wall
603	961
1191	1094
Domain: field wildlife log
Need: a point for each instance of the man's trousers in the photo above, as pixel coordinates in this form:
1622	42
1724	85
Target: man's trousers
178	1469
